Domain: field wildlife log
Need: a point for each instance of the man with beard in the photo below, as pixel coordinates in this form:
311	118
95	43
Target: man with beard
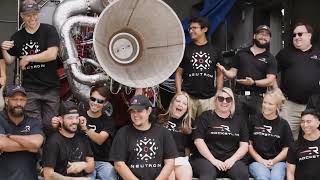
20	138
255	68
67	153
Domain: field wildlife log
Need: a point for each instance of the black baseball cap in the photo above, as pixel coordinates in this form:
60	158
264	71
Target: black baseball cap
263	27
29	6
12	89
68	107
139	102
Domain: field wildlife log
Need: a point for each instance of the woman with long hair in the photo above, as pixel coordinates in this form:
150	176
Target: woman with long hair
178	121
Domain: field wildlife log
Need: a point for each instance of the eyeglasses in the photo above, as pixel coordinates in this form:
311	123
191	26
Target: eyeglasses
193	28
221	99
99	101
299	34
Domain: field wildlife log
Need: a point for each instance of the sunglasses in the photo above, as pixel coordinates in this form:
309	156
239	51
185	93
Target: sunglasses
221	99
299	34
99	101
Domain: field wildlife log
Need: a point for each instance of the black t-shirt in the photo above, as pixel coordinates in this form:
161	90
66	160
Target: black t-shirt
222	136
102	123
183	141
255	66
37	76
314	102
305	155
300	73
143	152
199	64
20	165
59	150
269	137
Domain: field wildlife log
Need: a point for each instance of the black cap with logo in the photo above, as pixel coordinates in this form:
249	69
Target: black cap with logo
139	102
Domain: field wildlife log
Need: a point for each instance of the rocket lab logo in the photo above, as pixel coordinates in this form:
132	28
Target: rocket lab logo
223	128
93	127
264	128
201	61
26	129
314	150
146	149
311	153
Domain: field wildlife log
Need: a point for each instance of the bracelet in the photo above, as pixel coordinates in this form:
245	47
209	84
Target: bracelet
254	83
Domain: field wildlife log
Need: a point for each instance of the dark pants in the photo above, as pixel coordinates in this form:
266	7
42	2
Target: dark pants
248	105
43	106
204	170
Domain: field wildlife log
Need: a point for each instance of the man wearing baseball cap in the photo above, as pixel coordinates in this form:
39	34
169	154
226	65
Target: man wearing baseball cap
20	138
36	46
255	69
143	150
67	152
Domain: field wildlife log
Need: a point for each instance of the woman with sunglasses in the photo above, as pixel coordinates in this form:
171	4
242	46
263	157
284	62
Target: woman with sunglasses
221	139
100	129
270	137
178	121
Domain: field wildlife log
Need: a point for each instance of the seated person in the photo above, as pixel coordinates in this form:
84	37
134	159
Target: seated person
221	139
143	150
303	156
178	121
67	153
270	137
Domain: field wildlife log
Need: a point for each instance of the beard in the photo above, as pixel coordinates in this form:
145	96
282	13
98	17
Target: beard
15	112
259	45
69	130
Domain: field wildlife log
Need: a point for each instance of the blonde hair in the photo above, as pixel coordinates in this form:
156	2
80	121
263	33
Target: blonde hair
186	127
230	93
277	96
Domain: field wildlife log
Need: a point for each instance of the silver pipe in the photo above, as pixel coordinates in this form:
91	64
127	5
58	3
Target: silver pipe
71	53
68	8
91	61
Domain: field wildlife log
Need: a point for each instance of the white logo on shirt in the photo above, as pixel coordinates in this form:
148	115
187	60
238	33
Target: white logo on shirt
311	153
201	61
263	60
171	126
94	127
146	149
268	128
26	129
223	128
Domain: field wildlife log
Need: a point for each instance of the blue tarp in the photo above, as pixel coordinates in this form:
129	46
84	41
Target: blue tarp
215	11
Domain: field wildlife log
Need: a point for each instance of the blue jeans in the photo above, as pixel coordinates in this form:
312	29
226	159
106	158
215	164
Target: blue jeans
261	172
103	171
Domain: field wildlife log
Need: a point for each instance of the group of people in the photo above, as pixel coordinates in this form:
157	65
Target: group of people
208	131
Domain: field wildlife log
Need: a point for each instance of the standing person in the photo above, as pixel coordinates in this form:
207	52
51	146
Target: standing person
299	67
143	150
179	122
270	137
21	138
222	140
36	45
100	129
197	74
67	153
255	68
3	79
303	156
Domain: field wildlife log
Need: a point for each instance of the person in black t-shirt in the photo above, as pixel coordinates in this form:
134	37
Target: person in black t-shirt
21	138
255	69
67	153
100	129
222	140
197	72
179	122
299	67
303	156
36	46
143	150
270	137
